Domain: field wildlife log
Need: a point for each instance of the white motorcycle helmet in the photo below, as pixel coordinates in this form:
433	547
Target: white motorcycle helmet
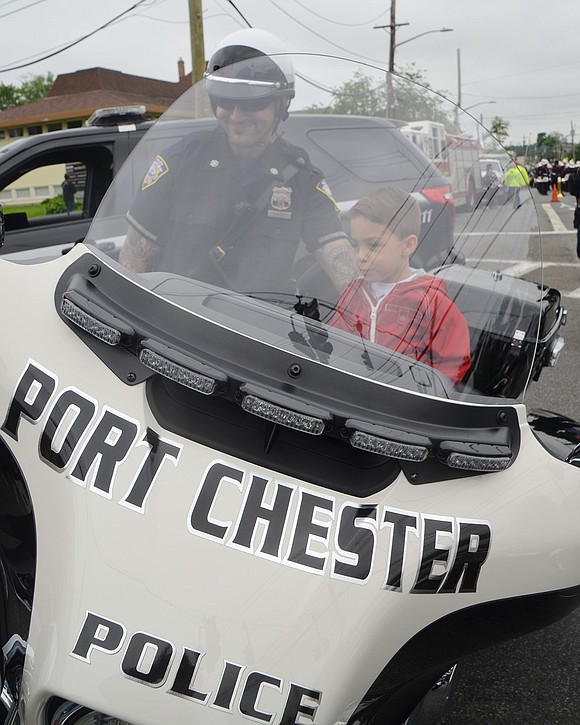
251	64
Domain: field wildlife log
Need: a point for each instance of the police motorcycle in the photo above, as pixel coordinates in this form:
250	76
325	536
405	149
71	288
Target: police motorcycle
217	506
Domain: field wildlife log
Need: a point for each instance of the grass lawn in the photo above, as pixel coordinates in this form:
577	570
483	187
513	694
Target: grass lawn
31	210
36	210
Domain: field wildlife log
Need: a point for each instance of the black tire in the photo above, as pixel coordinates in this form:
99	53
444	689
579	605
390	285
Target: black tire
432	707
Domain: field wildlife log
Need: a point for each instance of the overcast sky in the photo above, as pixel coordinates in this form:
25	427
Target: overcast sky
521	54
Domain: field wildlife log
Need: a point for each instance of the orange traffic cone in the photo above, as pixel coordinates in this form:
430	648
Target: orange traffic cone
554	192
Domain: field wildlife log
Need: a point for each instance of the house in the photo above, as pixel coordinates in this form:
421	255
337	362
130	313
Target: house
74	96
71	101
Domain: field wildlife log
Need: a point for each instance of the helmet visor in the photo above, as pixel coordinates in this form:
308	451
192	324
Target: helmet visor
258	77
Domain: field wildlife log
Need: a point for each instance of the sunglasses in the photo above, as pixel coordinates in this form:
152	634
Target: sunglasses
247	105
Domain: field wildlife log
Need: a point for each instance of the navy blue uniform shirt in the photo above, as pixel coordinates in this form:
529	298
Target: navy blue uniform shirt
193	204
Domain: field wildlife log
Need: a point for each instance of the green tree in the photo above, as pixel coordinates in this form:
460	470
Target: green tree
8	96
359	96
552	145
499	128
362	95
35	87
32	88
415	100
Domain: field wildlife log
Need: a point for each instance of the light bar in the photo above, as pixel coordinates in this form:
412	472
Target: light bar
476	456
388	441
283	416
391	449
91	324
177	367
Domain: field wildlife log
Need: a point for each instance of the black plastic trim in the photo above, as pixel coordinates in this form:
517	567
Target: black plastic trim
203	332
559	435
17	565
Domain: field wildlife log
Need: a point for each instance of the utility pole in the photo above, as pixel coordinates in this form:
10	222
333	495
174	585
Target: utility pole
457	127
197	46
392	45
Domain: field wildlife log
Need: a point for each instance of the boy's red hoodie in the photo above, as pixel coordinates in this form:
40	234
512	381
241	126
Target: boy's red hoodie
416	318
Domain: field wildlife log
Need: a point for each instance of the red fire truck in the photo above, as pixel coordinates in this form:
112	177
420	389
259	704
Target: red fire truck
455	155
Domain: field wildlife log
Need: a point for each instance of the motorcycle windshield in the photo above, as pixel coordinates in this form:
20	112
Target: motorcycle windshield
378	248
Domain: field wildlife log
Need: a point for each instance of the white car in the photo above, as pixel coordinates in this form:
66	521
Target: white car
496	165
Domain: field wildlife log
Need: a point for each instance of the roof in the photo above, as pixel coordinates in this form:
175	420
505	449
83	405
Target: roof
77	95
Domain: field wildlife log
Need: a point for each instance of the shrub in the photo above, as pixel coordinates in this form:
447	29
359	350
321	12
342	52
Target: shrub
55	205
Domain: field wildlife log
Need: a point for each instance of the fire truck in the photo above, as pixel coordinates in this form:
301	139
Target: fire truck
455	155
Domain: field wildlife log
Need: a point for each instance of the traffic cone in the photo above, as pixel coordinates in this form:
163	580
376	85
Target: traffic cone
554	192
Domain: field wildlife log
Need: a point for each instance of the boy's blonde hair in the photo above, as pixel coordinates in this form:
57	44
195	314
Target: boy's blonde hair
394	208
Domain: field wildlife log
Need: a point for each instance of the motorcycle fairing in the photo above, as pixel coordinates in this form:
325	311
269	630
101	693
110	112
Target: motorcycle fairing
198	564
296	610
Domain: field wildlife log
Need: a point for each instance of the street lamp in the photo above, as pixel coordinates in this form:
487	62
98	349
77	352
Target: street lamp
440	30
392	45
481	103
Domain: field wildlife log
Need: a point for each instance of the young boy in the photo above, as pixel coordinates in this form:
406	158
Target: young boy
391	304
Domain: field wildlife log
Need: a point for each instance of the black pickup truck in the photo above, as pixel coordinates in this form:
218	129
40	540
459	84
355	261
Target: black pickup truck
94	153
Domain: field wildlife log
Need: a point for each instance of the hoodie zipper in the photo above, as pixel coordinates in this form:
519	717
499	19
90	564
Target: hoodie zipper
374	309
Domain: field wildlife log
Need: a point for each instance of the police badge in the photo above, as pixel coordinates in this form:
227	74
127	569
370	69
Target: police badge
157	169
280	203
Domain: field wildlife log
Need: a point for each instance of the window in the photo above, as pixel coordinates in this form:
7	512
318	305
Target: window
373	154
34	184
54	126
74	124
16	132
34	130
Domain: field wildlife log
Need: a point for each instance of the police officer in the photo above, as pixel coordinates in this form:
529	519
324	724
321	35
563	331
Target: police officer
230	205
574	190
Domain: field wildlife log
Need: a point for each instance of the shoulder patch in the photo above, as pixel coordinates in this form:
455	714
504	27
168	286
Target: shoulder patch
157	169
323	187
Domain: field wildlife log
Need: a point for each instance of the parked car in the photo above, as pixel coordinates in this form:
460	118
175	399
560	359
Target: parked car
494	192
93	154
496	166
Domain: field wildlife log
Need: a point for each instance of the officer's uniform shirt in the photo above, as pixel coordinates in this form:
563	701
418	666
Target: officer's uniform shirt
195	196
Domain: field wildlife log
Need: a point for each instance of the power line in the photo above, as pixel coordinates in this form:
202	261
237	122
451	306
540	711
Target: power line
74	42
302	77
524	98
238	22
170	22
521	73
8	2
340	47
239	12
336	22
19	10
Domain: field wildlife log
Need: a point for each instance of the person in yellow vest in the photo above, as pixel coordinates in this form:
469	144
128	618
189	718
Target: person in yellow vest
516	178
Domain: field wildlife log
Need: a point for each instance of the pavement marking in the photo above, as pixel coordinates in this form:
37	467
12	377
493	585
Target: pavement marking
521	268
518	269
557	223
502	233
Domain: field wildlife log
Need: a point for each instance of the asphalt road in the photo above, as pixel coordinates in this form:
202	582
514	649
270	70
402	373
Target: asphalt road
535	680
